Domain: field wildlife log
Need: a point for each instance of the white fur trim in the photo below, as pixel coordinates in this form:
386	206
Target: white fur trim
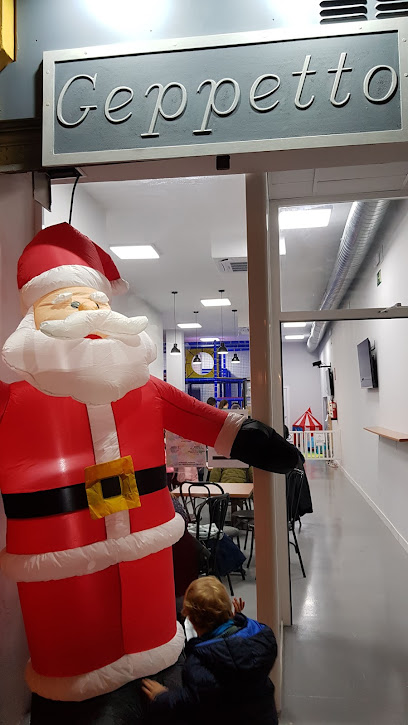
67	275
106	679
93	557
228	433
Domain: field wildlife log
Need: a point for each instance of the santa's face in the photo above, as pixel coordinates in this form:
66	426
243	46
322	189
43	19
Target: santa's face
61	303
72	344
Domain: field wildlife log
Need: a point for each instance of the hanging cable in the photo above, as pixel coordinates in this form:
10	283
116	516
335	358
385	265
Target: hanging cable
196	359
174	350
222	350
72	197
235	359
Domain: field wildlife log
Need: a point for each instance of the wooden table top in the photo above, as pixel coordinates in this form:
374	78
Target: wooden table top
235	490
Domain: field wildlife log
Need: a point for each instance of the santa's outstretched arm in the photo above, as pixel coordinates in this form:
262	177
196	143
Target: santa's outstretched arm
230	434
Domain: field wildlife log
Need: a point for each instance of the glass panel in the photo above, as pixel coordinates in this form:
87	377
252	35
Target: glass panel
356	480
344	255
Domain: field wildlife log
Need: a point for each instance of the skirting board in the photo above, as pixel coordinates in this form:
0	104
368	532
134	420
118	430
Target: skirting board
381	514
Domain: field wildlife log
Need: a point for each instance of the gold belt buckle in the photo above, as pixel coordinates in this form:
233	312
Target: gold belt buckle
121	468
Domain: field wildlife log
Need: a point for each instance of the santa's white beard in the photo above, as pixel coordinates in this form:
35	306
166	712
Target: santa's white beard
94	372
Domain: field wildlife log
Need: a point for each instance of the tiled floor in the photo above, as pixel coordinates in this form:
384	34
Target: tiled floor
346	657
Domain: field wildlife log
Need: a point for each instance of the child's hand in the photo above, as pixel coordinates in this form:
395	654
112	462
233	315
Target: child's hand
238	605
151	688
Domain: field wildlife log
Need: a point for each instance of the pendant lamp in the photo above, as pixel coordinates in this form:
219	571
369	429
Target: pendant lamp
174	350
222	350
196	359
235	358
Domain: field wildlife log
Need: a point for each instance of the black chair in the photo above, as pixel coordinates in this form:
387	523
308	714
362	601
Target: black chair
209	529
190	502
246	518
294	483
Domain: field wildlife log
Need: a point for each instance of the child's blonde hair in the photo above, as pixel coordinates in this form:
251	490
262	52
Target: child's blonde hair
207	604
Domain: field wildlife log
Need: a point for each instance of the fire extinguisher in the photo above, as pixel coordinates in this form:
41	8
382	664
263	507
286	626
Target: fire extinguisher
333	409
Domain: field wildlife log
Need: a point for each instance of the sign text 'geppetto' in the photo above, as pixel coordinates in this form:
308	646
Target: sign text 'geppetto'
191	101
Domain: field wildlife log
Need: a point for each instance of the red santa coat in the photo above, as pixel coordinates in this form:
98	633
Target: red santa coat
97	595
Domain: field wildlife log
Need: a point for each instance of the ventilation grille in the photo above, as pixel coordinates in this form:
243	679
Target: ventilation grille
391	9
343	11
232	264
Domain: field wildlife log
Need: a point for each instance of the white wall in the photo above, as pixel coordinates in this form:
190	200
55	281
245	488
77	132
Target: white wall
91	219
17	229
377	465
302	379
88	216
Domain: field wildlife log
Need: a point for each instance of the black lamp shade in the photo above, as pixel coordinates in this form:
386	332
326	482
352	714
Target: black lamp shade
174	350
235	359
222	350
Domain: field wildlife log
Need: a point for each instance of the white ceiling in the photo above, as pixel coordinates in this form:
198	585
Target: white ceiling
194	221
309	260
190	222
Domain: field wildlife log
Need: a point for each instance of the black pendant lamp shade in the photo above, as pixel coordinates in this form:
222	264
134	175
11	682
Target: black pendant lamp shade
235	358
196	358
174	350
222	350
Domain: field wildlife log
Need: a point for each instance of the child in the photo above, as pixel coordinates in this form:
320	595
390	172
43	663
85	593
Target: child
225	676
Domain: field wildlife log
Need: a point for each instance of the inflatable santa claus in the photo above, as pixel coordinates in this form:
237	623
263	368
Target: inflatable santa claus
83	479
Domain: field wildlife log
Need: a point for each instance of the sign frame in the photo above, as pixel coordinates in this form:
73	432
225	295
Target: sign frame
373	27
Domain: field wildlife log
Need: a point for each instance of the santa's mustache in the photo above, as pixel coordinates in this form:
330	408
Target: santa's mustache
85	322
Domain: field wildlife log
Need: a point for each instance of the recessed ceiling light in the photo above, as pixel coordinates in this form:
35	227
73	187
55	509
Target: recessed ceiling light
138	251
209	339
294	324
218	302
301	218
189	325
282	246
295	337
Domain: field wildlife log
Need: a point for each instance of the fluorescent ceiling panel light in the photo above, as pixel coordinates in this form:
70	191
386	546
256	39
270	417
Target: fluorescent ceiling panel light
304	218
189	325
138	251
282	246
295	337
209	339
294	324
218	302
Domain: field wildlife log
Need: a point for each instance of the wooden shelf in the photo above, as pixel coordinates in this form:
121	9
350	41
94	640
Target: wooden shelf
392	435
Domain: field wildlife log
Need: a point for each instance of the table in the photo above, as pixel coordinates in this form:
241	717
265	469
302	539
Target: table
235	490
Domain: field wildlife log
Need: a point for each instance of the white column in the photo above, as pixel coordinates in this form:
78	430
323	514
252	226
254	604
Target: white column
175	364
264	369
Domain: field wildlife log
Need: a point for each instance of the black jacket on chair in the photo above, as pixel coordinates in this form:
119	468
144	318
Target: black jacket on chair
225	679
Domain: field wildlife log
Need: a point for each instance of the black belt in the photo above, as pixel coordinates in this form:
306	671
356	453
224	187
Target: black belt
68	499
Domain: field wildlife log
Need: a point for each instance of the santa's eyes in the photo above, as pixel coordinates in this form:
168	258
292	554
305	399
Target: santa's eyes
75	304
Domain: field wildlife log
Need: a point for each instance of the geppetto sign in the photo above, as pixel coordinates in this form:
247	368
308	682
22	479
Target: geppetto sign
226	94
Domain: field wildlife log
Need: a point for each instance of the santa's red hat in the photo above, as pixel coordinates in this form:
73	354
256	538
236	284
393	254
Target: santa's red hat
60	256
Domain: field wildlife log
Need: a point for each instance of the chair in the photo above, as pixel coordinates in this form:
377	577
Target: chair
209	529
294	483
246	517
189	500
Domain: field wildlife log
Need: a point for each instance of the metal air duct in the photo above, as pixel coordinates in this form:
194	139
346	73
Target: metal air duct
361	227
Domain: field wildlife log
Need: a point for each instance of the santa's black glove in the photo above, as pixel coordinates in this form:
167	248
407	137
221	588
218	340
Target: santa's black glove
261	446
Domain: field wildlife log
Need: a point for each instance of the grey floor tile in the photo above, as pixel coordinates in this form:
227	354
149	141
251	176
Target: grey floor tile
346	656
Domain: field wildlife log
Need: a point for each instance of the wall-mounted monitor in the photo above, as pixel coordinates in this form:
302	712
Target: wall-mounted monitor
367	365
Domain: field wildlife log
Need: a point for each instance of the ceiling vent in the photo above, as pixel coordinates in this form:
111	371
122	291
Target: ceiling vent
391	9
232	264
343	11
